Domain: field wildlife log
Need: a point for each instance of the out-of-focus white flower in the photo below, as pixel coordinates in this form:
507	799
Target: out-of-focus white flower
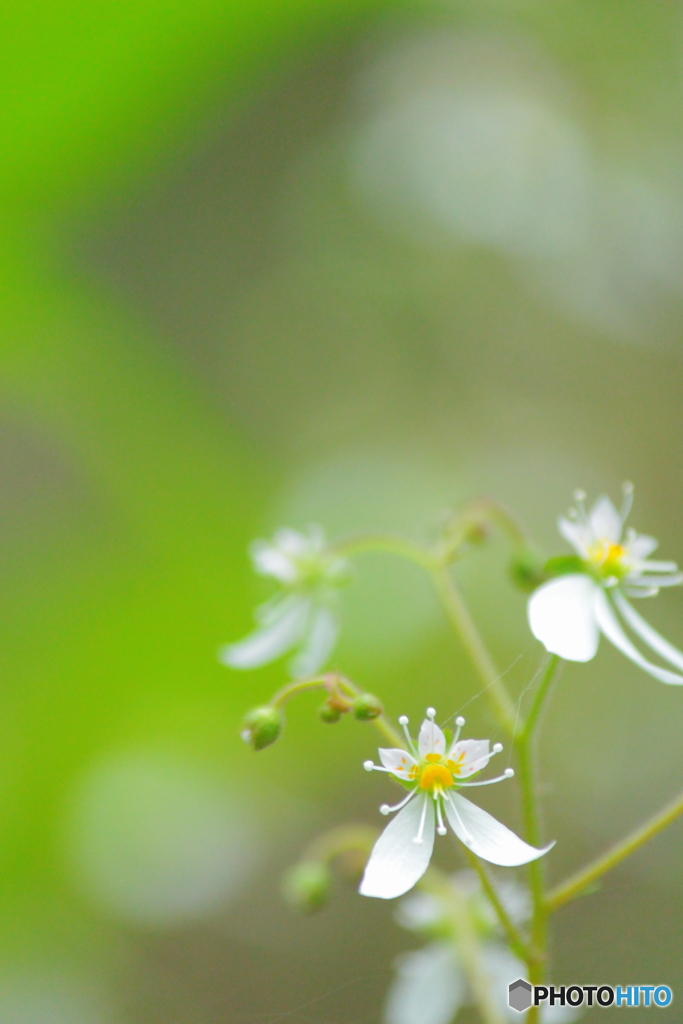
402	853
568	614
304	616
430	985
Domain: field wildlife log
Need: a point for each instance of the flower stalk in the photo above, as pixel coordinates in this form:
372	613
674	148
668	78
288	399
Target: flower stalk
586	877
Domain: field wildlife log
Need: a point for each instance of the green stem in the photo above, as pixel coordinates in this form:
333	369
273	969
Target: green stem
541	695
575	885
388	544
337	841
329	682
525	745
460	618
475	514
517	943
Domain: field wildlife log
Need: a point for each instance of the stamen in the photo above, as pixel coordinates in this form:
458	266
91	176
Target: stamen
386	809
459	722
431	713
579	498
418	837
468	838
441	828
368	765
507	774
403	722
497	747
627	488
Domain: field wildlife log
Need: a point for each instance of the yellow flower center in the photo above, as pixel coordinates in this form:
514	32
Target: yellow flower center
435	776
608	557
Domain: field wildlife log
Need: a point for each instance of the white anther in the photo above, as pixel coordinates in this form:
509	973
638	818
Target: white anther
431	712
509	773
442	830
627	487
460	721
579	495
497	747
368	765
418	839
384	809
403	720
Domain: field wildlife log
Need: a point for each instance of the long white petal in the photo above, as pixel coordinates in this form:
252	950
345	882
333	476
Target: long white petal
431	740
429	987
399	762
323	632
605	521
470	756
609	625
486	837
397	862
655	582
576	533
645	631
561	616
270	561
270	642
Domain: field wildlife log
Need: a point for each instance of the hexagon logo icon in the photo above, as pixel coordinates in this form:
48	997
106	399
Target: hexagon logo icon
519	995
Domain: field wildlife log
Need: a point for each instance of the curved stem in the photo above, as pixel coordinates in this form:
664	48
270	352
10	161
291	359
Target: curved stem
475	514
580	881
326	847
329	682
517	943
460	618
387	543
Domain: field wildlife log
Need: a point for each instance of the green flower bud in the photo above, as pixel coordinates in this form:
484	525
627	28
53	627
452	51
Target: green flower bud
262	726
329	713
366	707
527	569
306	886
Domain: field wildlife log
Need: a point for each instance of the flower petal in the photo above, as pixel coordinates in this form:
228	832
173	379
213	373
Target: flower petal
561	615
576	534
429	987
322	634
605	521
431	740
609	624
639	546
269	642
485	836
470	756
399	762
397	862
271	561
645	631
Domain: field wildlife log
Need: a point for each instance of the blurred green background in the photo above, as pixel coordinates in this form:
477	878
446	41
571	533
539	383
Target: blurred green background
276	261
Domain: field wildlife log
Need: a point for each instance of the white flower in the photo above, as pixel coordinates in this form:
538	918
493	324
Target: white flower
568	614
304	616
430	985
402	853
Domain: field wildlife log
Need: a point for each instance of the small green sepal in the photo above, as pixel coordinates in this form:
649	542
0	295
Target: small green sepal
329	712
527	569
366	707
563	565
262	726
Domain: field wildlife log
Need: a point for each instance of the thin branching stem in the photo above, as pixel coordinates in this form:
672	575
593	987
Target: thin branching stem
579	882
